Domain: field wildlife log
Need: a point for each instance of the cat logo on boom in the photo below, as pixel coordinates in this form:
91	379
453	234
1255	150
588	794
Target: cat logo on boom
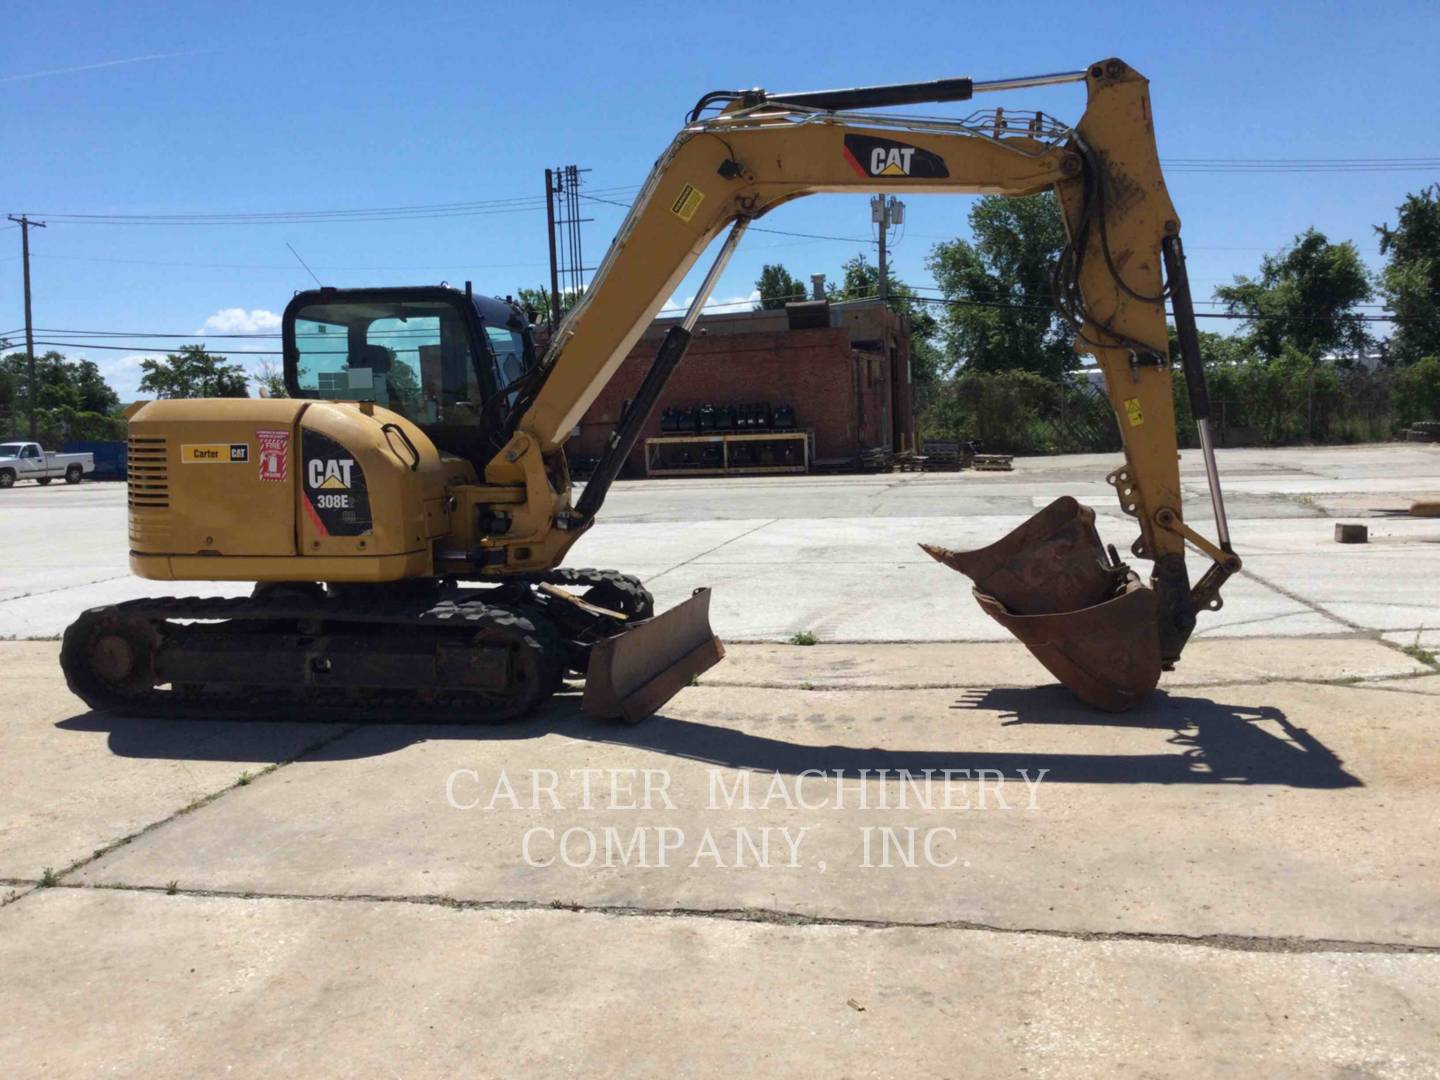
330	474
871	156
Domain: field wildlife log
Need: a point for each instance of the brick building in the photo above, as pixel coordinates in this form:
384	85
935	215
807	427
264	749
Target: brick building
843	367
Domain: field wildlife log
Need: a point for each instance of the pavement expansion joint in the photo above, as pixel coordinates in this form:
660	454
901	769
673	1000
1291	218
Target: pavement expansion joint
56	877
725	543
66	588
1362	681
1321	609
766	916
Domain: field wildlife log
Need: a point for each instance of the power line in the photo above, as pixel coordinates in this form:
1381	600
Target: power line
1232	316
757	228
481	207
287	266
1293	165
159	334
86	345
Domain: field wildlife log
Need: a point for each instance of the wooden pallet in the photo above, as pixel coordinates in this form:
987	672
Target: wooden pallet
942	456
877	459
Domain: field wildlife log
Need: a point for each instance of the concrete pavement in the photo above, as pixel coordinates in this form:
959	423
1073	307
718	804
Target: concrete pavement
362	988
1242	873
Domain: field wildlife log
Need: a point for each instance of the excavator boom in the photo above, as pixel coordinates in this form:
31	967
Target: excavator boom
1081	611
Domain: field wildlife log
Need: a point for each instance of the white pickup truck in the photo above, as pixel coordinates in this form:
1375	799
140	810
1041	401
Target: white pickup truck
26	461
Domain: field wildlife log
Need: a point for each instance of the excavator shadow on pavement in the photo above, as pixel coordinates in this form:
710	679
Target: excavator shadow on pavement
1212	742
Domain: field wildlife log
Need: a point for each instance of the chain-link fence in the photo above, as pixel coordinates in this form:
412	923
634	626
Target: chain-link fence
1017	412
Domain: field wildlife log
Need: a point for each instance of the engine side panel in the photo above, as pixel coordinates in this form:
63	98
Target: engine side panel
283	490
213	478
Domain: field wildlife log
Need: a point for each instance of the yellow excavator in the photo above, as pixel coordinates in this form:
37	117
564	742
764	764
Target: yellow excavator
405	512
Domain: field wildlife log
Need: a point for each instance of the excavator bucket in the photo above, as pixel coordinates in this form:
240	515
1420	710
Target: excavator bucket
632	674
1078	609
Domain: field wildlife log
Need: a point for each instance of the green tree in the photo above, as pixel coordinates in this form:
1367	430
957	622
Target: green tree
193	372
96	394
1410	281
860	280
536	301
1305	297
271	378
1417	391
72	398
1002	410
402	384
59	383
777	287
1216	350
1000	314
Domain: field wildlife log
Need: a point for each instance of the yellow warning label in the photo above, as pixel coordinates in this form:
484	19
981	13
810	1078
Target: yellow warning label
687	202
1132	410
214	453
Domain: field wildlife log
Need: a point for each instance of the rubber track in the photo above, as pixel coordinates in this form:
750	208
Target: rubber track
446	706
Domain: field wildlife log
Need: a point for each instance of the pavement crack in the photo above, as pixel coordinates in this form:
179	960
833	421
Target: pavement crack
1358	681
65	588
717	547
1319	609
56	878
773	917
15	888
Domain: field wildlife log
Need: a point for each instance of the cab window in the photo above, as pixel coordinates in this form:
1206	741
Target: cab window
509	357
414	357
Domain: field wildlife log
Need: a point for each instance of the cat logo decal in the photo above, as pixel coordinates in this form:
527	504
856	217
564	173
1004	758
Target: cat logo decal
871	156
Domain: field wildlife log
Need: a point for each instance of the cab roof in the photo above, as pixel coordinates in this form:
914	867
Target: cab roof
492	311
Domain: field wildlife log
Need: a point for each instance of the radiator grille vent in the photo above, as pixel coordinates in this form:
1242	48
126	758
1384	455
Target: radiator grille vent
145	472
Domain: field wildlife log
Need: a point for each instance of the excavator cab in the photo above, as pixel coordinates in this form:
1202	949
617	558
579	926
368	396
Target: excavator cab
448	361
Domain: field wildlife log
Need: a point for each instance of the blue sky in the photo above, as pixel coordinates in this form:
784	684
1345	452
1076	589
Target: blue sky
144	108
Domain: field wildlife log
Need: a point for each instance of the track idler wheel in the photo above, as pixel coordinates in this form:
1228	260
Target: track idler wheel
109	658
1080	611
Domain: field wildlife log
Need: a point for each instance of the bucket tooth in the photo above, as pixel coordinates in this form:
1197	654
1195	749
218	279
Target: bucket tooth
633	674
1081	612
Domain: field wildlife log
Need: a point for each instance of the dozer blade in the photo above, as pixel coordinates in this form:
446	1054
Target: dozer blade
632	674
1083	614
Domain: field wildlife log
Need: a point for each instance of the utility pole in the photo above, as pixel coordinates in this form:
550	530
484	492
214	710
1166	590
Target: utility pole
567	261
885	211
554	266
25	225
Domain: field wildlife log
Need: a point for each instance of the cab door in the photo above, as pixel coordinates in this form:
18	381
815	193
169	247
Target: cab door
32	463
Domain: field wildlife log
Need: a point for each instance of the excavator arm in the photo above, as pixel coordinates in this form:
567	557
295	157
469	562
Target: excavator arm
1080	609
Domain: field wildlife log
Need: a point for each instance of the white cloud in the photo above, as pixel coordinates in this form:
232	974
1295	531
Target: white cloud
123	372
734	303
235	320
716	304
